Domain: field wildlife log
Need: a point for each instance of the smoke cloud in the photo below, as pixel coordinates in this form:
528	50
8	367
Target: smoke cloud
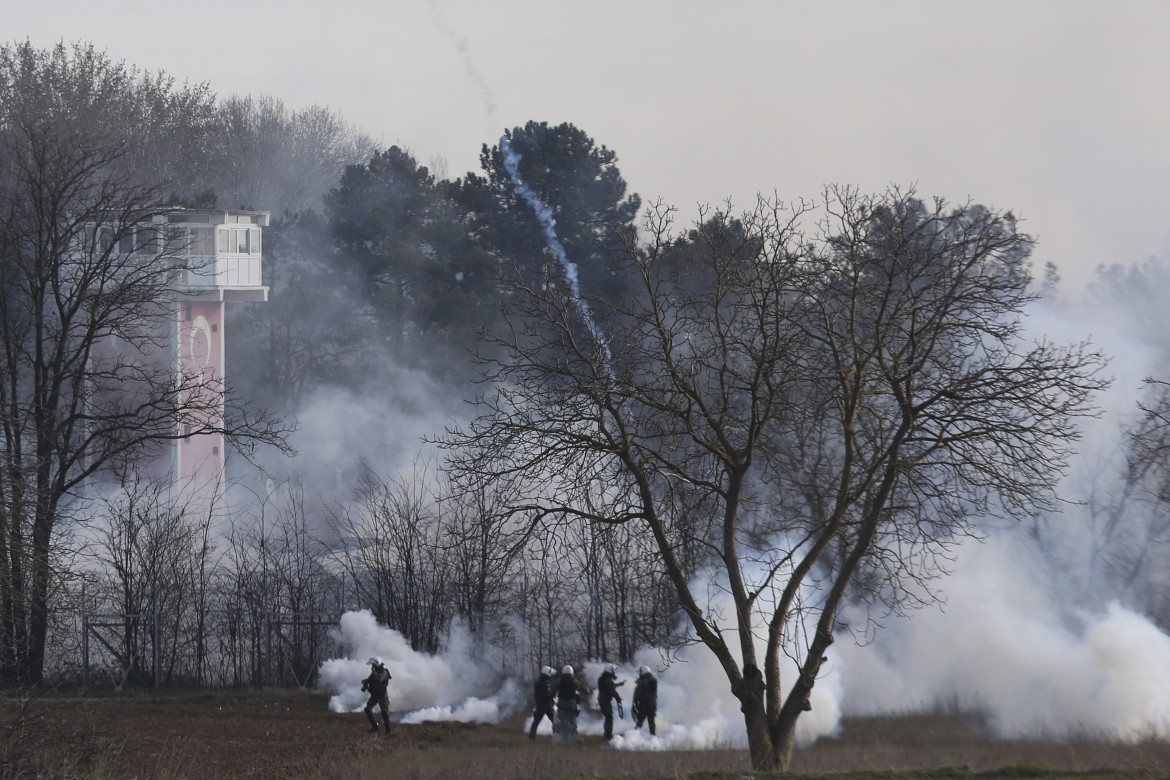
1032	633
459	683
696	710
1004	646
1029	632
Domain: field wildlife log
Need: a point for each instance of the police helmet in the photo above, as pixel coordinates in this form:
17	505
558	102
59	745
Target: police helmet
374	661
567	670
643	669
547	671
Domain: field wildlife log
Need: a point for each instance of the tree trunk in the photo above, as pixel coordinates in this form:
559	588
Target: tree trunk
784	736
761	746
34	662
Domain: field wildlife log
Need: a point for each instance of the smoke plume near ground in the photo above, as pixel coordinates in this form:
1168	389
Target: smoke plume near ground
1005	647
1031	631
696	710
458	683
1026	634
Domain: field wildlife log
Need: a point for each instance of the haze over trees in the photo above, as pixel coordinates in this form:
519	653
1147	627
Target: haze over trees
795	419
798	407
78	267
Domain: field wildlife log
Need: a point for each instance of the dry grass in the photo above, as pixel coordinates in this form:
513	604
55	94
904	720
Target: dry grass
291	735
504	751
944	745
921	742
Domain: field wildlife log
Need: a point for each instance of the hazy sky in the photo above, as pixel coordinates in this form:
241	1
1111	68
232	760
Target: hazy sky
1056	109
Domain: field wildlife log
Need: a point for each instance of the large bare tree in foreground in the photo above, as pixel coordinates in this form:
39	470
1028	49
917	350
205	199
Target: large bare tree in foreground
795	419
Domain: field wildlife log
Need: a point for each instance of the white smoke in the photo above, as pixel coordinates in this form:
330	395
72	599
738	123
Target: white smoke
696	709
1012	640
1028	634
458	683
1016	639
507	700
340	428
1004	647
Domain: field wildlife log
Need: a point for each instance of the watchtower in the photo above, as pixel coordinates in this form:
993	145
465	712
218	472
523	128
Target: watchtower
219	262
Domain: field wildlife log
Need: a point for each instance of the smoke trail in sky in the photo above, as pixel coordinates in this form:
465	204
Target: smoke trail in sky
548	225
464	50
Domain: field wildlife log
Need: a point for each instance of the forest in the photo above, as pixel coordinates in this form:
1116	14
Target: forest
574	433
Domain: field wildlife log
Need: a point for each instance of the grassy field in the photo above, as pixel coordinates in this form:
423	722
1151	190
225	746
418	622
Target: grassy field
291	734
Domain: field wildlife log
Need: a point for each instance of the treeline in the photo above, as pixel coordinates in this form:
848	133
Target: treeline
238	152
377	268
394	291
164	596
404	267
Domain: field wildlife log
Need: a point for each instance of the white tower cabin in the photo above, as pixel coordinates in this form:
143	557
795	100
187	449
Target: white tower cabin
219	262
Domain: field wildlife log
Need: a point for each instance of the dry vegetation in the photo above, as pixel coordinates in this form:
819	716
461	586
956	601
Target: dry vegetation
291	734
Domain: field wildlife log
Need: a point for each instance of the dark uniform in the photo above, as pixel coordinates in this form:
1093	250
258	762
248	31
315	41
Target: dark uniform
543	693
376	685
568	697
645	699
568	707
606	695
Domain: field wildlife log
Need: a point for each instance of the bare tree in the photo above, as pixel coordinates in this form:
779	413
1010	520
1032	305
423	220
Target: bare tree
164	129
281	159
396	554
482	562
1133	538
787	416
151	555
301	593
246	600
81	268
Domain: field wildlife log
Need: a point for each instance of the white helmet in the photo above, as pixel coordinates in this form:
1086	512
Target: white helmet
613	669
374	661
547	671
567	670
643	669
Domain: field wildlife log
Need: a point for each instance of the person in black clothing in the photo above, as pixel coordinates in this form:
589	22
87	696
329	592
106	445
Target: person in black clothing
376	685
607	686
645	698
543	693
568	707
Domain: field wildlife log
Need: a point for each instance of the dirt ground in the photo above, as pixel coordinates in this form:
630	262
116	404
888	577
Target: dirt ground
288	734
292	734
226	734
